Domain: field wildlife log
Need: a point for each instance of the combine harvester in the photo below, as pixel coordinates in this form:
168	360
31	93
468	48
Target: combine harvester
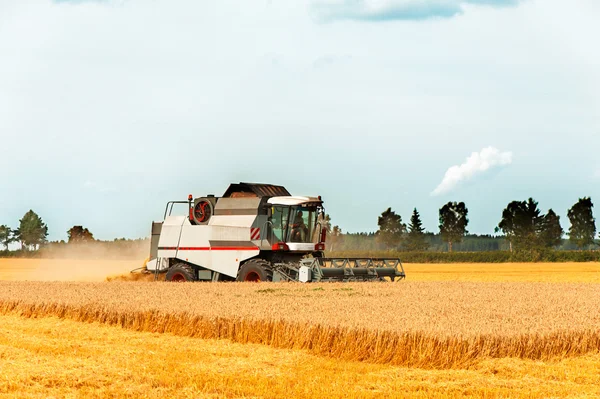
254	232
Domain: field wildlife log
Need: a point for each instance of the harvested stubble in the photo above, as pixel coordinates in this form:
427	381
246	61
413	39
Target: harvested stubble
430	325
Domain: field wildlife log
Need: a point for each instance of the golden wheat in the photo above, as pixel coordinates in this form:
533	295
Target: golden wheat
505	272
51	357
574	272
99	270
431	325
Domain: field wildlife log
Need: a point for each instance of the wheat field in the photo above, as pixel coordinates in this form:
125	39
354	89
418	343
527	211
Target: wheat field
100	270
512	330
58	358
424	324
584	272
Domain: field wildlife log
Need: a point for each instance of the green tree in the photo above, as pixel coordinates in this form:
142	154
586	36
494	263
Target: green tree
522	224
391	229
32	231
7	236
583	224
551	232
415	240
79	234
453	222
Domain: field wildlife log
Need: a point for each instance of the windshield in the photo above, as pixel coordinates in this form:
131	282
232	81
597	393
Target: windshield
295	223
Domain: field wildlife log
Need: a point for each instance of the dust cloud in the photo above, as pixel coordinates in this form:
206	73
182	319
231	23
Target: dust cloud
13	269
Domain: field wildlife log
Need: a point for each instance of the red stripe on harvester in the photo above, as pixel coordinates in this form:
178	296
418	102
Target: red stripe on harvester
234	248
208	248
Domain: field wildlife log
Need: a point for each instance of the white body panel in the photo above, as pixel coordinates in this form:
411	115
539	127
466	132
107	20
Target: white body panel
161	264
151	264
169	236
228	220
228	261
224	233
220	245
304	274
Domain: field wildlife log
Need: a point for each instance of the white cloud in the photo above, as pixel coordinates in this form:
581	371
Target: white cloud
475	164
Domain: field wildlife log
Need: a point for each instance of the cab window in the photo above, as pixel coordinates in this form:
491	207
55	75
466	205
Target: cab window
279	219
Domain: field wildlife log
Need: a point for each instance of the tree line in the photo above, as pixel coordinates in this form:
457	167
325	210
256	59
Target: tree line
32	233
522	227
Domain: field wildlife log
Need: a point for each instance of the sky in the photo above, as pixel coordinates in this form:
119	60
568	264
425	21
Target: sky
111	108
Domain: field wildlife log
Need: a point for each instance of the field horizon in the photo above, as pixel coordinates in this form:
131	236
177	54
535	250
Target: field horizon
58	269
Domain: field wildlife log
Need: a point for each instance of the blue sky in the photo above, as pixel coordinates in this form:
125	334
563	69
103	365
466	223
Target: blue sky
110	108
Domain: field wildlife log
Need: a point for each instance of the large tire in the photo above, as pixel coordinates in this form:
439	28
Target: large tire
180	272
255	270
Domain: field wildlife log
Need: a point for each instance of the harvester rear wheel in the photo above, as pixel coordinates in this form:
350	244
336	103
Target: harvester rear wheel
255	270
180	272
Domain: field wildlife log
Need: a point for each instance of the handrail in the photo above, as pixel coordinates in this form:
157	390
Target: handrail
171	209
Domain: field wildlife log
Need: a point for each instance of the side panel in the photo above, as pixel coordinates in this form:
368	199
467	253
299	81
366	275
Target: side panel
237	206
217	248
169	236
194	245
221	245
156	229
232	220
229	259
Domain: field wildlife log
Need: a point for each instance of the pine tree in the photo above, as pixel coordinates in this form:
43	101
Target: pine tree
32	231
415	240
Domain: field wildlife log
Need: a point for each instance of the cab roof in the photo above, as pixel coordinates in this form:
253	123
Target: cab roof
293	200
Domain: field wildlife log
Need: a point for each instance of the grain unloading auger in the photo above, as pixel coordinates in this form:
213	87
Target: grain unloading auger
254	232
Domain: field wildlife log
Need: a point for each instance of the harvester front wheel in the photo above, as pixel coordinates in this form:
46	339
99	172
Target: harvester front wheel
255	270
180	272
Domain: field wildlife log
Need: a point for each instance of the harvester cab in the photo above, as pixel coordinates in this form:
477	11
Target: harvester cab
254	232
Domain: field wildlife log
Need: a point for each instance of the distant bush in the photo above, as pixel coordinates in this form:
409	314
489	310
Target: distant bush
19	253
475	257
